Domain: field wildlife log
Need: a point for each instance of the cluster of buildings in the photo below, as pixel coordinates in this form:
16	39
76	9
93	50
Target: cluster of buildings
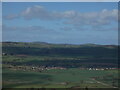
41	68
101	68
33	68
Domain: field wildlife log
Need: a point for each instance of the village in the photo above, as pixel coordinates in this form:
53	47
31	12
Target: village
43	68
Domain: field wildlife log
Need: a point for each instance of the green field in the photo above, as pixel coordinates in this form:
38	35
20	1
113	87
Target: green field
30	65
57	78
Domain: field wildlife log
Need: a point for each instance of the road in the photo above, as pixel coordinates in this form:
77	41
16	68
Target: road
104	83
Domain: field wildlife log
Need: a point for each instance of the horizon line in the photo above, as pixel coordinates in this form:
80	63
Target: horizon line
56	43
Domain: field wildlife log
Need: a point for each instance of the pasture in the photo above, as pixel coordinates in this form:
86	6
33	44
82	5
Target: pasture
55	78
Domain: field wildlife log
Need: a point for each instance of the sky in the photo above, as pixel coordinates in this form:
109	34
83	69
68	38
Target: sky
60	22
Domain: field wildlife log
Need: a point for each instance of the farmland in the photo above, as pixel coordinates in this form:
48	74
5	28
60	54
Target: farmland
58	78
43	65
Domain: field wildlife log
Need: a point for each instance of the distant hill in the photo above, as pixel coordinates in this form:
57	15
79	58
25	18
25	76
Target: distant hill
87	53
60	49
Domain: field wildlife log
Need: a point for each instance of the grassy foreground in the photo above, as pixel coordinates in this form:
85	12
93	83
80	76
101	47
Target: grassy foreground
59	78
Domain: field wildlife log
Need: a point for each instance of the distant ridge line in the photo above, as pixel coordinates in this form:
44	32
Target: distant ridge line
86	44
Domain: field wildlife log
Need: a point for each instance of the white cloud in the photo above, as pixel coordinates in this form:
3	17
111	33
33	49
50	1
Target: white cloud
104	17
35	12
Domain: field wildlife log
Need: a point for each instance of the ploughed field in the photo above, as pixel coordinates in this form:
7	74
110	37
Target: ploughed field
43	65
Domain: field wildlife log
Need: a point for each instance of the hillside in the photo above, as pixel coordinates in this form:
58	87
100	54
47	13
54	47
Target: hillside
65	55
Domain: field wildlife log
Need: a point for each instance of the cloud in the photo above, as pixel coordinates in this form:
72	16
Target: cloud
103	17
36	12
64	35
39	29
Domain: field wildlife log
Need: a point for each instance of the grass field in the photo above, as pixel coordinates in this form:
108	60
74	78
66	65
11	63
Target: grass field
22	65
57	78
